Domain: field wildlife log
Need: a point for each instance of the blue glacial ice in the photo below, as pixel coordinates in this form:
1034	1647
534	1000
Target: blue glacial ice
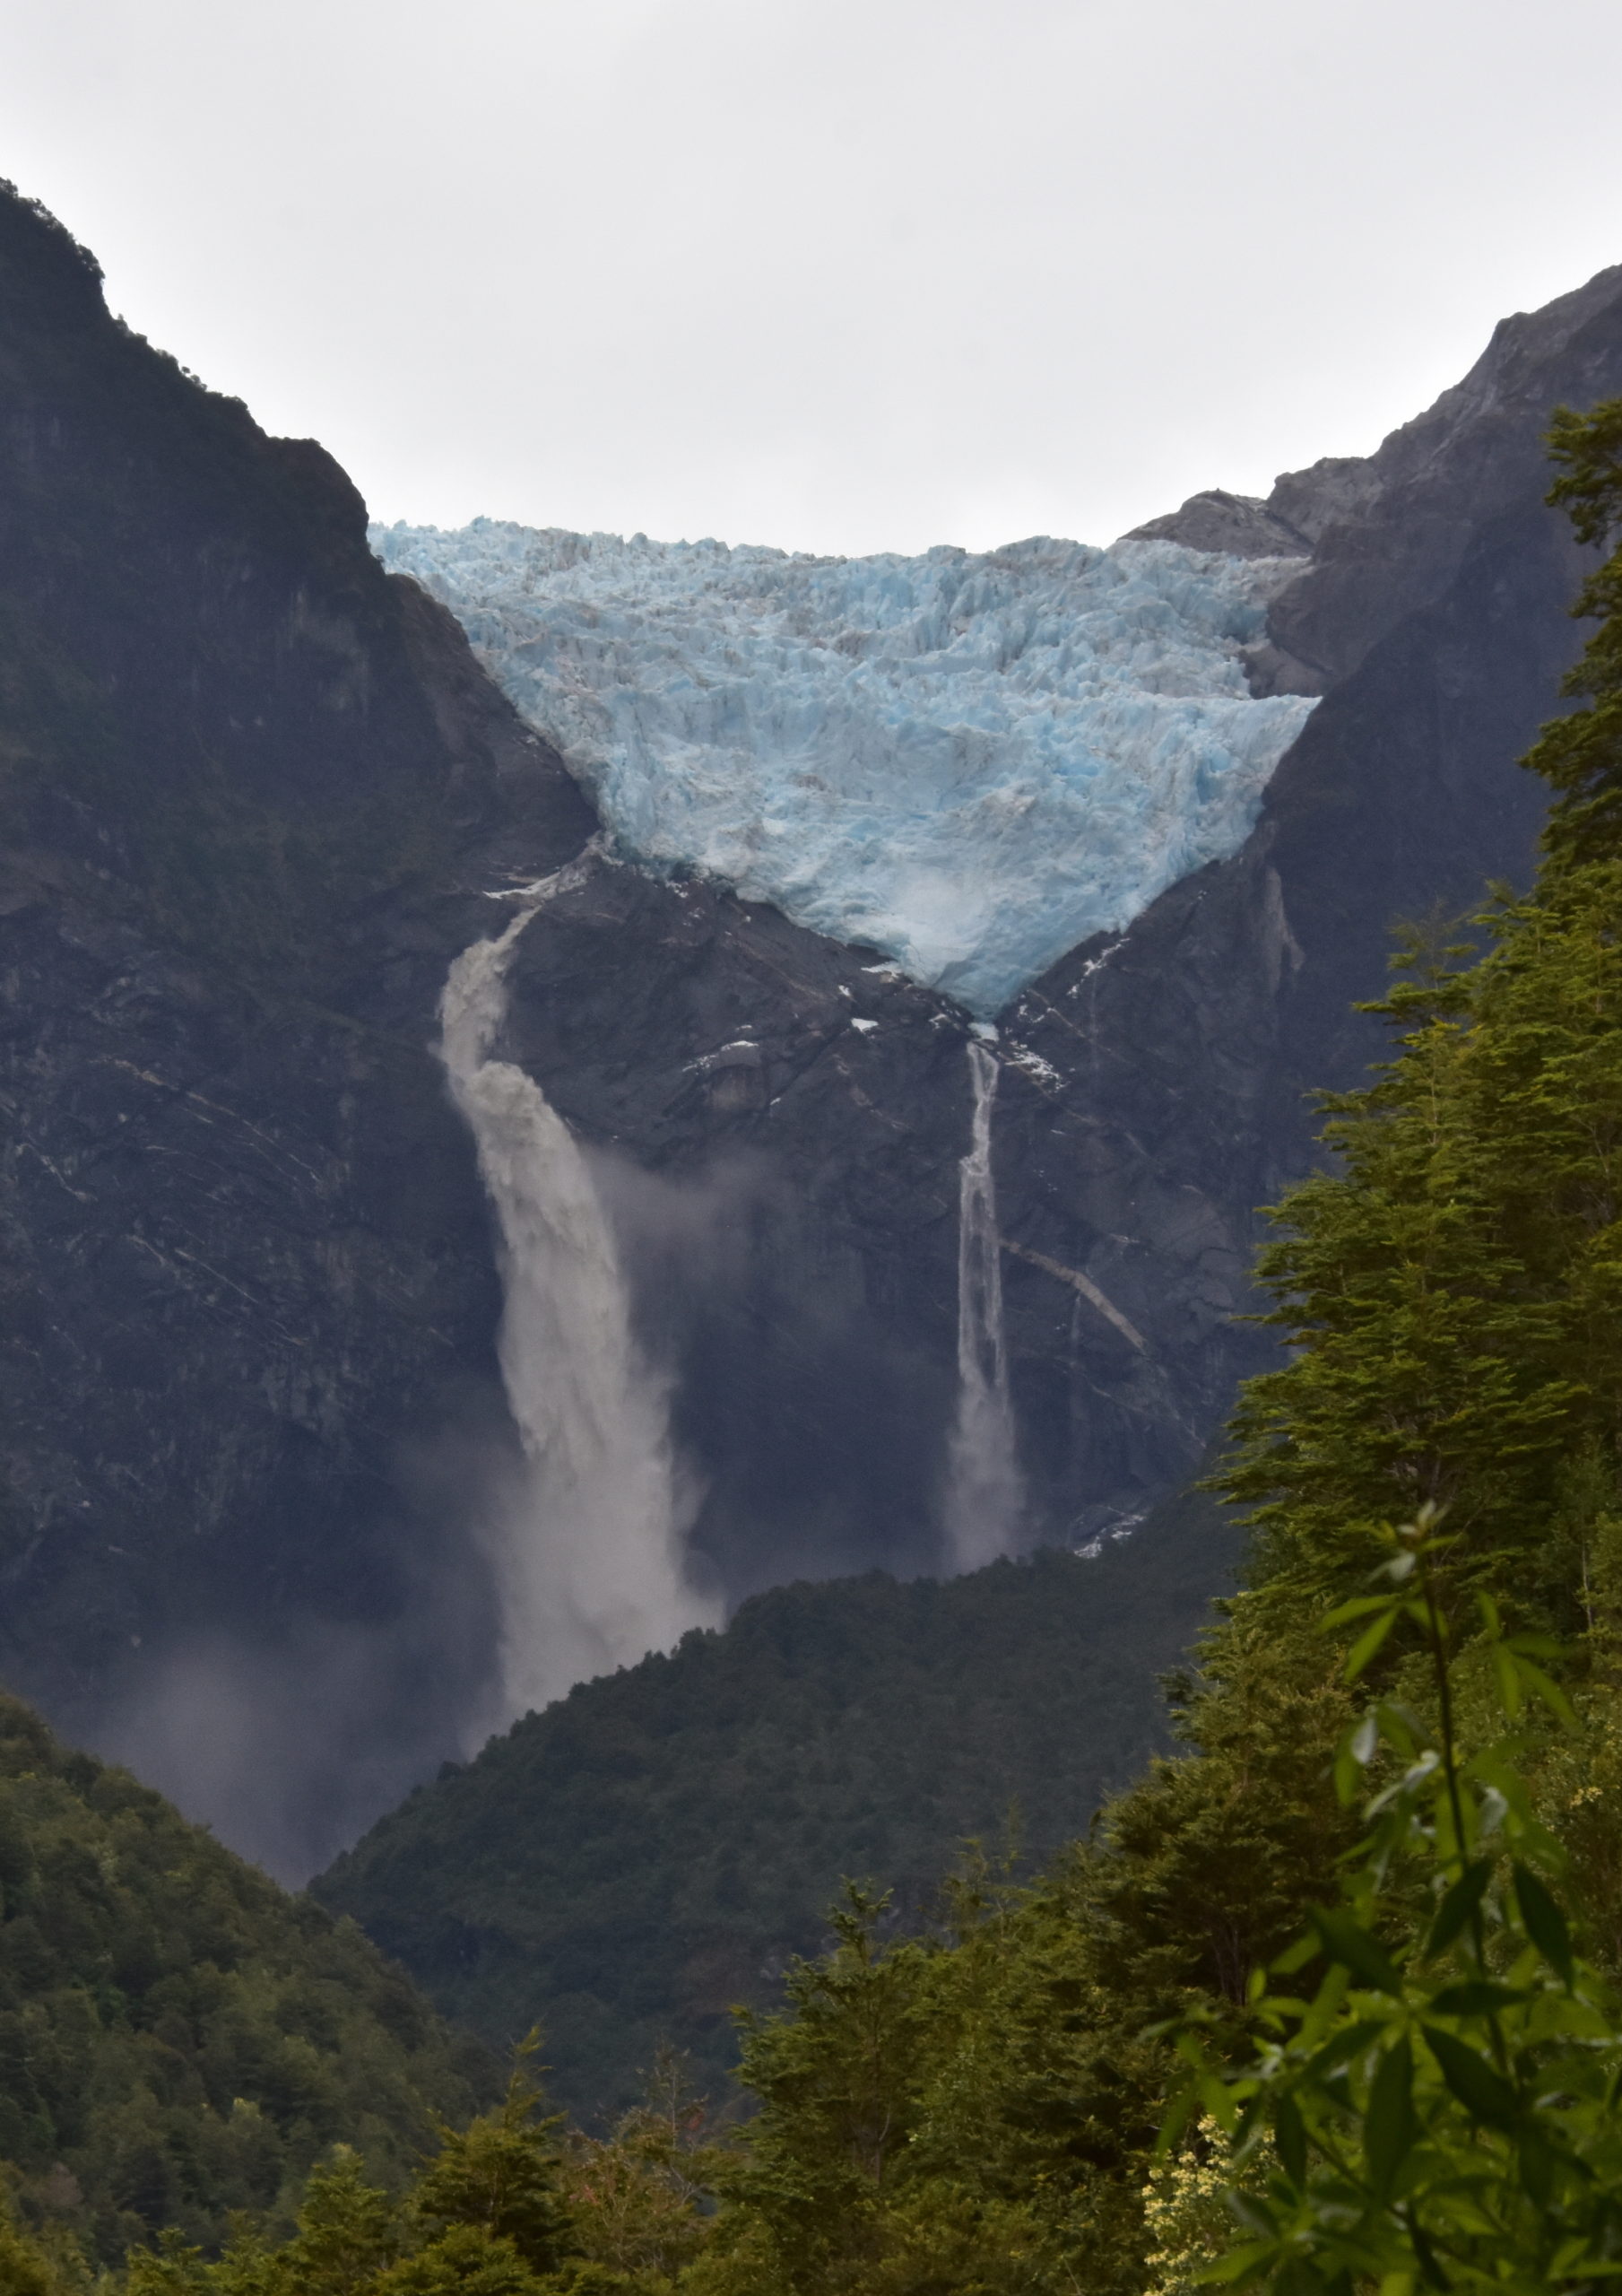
969	761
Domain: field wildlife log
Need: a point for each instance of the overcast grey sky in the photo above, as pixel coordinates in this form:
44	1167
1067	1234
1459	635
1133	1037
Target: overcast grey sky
838	274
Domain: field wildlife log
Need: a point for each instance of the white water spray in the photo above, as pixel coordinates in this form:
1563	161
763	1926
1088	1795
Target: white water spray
588	1552
984	1491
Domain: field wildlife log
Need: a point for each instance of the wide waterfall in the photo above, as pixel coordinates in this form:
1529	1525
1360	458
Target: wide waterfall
588	1549
984	1491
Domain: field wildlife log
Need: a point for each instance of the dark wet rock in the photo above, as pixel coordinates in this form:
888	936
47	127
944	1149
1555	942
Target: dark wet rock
1156	1086
1392	535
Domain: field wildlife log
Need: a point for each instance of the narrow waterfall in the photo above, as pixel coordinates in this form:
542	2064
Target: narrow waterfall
588	1551
984	1492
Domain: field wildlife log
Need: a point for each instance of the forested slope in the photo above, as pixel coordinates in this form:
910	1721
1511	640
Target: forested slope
178	2038
629	1863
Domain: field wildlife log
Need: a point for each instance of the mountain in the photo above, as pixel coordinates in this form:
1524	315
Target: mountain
178	2039
250	788
1435	618
628	1865
271	1527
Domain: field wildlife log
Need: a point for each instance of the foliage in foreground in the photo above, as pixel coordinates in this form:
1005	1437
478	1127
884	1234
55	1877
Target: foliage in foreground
1446	2110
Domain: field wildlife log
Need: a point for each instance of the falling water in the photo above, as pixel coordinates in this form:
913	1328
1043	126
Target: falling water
983	1491
588	1552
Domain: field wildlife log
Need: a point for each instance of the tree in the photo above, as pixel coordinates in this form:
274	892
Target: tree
499	2176
1446	2110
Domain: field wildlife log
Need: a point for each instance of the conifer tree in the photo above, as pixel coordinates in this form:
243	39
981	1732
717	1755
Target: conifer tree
499	2176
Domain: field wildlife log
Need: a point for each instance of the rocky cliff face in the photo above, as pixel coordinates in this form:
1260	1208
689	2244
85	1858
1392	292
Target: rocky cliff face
255	793
251	790
1182	1057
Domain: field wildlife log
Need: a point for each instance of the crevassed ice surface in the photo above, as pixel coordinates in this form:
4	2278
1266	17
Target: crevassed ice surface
969	761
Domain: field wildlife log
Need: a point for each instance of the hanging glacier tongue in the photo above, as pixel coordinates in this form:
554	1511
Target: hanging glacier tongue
970	763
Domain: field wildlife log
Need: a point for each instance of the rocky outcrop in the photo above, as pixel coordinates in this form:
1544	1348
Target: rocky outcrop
1392	536
1242	525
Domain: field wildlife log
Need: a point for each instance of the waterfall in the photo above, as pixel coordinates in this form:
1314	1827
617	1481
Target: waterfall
984	1492
587	1550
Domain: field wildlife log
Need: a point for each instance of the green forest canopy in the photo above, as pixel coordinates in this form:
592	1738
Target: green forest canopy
655	1848
179	2038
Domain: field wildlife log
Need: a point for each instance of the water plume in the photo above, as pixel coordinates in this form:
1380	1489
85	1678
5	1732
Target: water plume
588	1548
985	1495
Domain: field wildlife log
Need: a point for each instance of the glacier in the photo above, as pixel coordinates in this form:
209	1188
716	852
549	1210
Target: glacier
968	761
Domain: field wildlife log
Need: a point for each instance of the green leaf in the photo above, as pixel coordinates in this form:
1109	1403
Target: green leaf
1179	2112
1478	1997
1389	2126
1366	1646
1218	2100
1255	2214
1349	2042
1534	1646
1297	1956
1545	1924
1347	1776
1536	2161
1544	1687
1430	2264
1457	1907
1289	2137
1401	1728
1484	2094
1239	2263
1347	1942
1575	2259
1359	1606
1507	1675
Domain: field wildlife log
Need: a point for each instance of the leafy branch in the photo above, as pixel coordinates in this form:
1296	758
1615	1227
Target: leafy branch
1443	2112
